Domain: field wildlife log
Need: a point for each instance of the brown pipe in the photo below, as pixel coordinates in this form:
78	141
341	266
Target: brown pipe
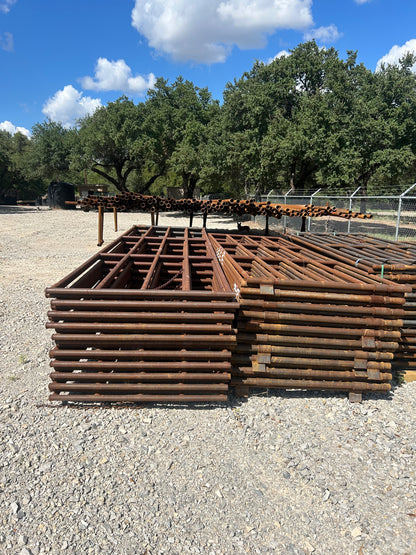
304	373
311	384
140	398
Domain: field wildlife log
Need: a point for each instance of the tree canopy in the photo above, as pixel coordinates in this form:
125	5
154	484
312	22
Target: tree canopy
306	120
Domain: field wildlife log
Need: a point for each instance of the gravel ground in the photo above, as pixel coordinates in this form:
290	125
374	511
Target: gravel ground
282	472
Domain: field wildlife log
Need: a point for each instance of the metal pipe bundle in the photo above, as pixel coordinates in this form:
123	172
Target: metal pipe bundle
396	261
129	201
308	321
148	318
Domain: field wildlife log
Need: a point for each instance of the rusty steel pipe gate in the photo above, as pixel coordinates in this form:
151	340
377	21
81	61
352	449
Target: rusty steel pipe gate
149	318
394	260
308	321
165	314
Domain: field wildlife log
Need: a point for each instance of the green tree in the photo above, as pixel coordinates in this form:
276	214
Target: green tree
374	138
50	154
277	113
112	144
7	176
178	118
312	119
16	178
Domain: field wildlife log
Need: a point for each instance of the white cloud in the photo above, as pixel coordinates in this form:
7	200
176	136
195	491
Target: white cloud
362	1
6	42
323	34
12	129
206	30
396	53
5	5
68	105
281	54
117	76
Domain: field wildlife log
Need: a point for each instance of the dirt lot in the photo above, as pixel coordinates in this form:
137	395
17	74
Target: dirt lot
282	472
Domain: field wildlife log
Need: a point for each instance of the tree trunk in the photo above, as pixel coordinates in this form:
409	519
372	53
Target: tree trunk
193	180
188	184
119	184
149	182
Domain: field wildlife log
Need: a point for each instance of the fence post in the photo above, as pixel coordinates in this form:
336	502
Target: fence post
285	217
310	202
350	208
399	210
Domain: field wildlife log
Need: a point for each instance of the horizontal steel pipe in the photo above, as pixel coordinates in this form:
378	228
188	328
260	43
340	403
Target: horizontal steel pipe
363	343
305	373
372	311
142	339
154	307
338	298
315	353
300	331
274	316
135	354
102	316
137	294
138	387
137	327
94	377
311	384
140	398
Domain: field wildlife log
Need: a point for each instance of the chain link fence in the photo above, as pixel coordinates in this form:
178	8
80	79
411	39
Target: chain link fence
394	217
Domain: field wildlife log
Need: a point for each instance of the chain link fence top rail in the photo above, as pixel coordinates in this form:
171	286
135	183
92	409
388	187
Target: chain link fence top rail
394	217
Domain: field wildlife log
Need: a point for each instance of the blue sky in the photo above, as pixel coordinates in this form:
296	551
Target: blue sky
62	59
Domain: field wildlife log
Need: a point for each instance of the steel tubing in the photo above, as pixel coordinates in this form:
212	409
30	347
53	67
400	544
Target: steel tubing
314	308
142	317
105	366
137	327
141	340
180	377
140	398
314	331
132	314
333	354
363	343
311	384
139	387
395	260
305	373
361	323
242	360
328	297
329	317
136	354
135	201
301	312
153	306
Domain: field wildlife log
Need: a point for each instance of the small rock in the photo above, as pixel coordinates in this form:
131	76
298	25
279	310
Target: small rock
22	540
14	507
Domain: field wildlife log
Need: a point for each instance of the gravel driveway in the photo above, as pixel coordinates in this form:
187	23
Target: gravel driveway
282	472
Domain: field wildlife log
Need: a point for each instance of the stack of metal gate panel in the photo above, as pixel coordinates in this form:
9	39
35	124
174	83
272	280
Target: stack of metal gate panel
308	321
394	260
148	318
